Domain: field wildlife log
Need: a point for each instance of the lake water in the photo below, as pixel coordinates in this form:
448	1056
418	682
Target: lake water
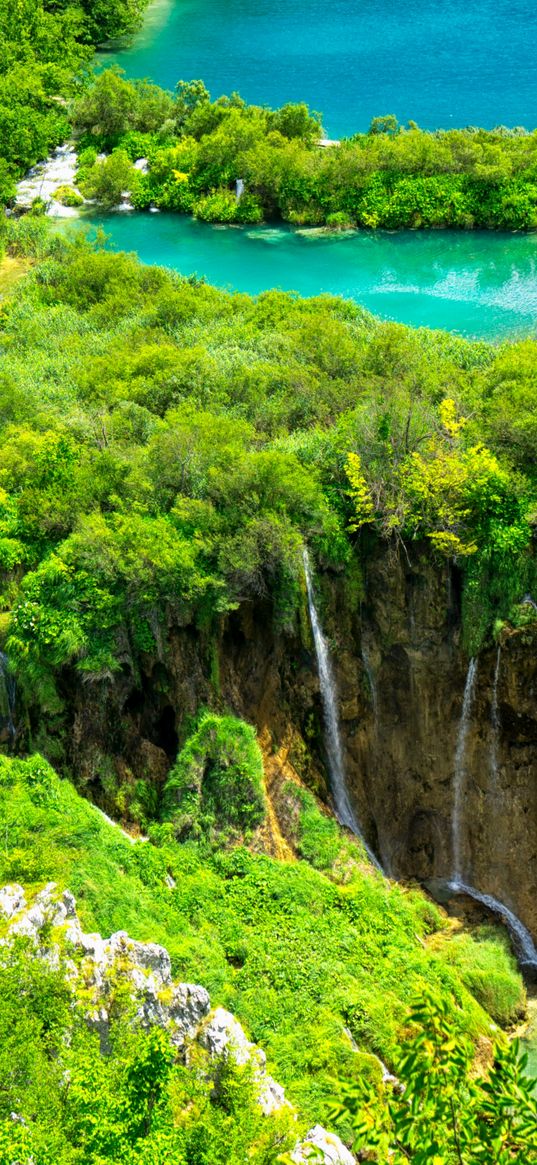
448	63
478	284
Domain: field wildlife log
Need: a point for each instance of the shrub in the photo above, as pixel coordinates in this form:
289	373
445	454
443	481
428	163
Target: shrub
216	785
66	196
223	206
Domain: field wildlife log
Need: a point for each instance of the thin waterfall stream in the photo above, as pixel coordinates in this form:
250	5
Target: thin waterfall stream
521	938
459	782
522	941
334	751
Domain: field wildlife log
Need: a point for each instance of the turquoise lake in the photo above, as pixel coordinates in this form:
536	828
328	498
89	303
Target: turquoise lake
448	64
475	283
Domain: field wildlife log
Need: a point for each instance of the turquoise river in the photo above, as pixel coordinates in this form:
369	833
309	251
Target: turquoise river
443	65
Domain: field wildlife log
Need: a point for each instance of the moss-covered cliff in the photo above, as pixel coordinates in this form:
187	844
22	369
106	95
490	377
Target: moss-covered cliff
401	671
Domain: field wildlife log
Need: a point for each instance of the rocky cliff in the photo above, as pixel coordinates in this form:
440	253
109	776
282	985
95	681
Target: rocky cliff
401	673
107	974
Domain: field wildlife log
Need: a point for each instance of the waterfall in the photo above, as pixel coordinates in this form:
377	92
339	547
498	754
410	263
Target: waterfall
8	693
336	767
495	723
523	943
239	188
459	783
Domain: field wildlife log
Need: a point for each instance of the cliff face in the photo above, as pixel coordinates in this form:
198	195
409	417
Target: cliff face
401	675
403	661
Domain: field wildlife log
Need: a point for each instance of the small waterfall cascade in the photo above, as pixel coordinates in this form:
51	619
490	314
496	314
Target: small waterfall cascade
523	944
239	188
8	696
344	811
495	723
459	783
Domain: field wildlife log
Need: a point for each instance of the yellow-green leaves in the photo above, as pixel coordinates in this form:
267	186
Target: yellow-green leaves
364	509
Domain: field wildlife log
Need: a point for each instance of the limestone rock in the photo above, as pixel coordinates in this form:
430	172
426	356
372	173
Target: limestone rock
46	910
189	1006
328	1147
223	1036
183	1009
12	900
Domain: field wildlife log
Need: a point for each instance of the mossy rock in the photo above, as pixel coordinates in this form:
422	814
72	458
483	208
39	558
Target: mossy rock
216	785
68	196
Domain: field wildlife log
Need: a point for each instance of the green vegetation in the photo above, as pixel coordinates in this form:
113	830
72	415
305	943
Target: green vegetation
43	48
443	1112
62	1102
167	449
216	784
298	954
390	177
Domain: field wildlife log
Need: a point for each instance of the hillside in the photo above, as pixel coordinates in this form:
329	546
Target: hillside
318	964
169	452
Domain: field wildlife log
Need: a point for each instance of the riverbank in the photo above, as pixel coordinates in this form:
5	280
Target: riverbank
228	162
478	284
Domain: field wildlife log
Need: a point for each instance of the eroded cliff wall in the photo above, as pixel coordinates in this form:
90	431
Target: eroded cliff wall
401	671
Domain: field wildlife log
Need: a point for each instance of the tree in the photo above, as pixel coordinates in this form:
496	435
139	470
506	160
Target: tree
296	121
188	96
388	124
105	110
439	1111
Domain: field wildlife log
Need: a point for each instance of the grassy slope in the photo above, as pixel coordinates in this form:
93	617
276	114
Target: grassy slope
297	952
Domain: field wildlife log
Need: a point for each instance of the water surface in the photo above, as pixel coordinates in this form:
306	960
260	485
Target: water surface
443	64
477	283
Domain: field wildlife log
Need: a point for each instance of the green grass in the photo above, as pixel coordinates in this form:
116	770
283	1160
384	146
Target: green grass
297	953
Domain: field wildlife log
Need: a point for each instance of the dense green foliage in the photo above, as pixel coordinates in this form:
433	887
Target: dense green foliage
390	177
298	954
216	784
167	449
441	1112
43	47
63	1102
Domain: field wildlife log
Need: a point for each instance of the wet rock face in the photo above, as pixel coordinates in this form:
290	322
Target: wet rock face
401	748
400	672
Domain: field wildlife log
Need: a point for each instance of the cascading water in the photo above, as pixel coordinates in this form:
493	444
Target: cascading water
344	811
239	188
459	783
523	943
495	723
8	694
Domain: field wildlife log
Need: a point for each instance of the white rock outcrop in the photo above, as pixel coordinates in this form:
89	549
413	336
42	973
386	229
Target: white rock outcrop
50	922
319	1145
222	1035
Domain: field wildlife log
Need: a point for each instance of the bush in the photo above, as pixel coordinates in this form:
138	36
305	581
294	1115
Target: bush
68	197
223	206
216	784
106	182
